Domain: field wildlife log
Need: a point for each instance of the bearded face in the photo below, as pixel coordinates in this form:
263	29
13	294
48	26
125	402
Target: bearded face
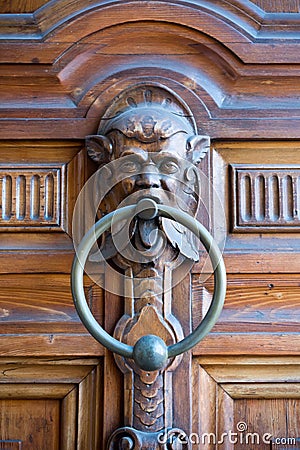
151	157
158	171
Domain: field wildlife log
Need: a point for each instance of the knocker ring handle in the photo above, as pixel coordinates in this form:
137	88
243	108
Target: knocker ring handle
150	352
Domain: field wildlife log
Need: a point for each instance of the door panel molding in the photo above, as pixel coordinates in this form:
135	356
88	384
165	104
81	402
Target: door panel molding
236	400
69	393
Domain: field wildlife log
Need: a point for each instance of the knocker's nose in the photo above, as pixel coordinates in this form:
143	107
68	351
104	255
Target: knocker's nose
148	180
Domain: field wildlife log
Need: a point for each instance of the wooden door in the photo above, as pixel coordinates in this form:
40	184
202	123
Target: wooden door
236	65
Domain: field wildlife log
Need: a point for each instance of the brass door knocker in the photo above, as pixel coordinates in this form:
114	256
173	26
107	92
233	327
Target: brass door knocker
145	198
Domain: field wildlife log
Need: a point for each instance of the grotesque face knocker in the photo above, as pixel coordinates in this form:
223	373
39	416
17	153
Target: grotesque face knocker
148	141
146	148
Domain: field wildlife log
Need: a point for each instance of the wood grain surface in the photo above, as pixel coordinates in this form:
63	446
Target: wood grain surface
235	64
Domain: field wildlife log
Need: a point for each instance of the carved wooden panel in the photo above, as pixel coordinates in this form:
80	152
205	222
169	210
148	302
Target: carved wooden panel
245	402
266	198
50	404
39	184
31	197
258	185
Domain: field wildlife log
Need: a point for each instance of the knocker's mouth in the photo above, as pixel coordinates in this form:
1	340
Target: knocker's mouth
156	198
160	196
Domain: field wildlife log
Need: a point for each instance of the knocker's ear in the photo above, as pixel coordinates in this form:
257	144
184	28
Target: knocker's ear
197	146
99	148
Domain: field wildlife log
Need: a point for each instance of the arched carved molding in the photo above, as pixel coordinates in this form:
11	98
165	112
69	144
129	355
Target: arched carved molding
208	65
199	15
225	86
248	30
241	21
226	92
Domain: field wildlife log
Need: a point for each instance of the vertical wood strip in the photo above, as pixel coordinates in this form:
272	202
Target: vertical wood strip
113	378
21	197
49	197
259	198
85	437
274	205
287	198
179	305
225	419
246	198
297	197
35	184
6	197
68	421
98	406
207	408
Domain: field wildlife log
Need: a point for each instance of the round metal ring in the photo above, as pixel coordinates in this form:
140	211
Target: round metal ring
184	219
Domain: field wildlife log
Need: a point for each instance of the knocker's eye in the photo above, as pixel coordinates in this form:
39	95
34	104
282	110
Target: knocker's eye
169	167
130	167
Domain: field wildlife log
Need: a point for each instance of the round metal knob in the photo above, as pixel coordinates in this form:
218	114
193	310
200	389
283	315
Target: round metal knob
149	352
